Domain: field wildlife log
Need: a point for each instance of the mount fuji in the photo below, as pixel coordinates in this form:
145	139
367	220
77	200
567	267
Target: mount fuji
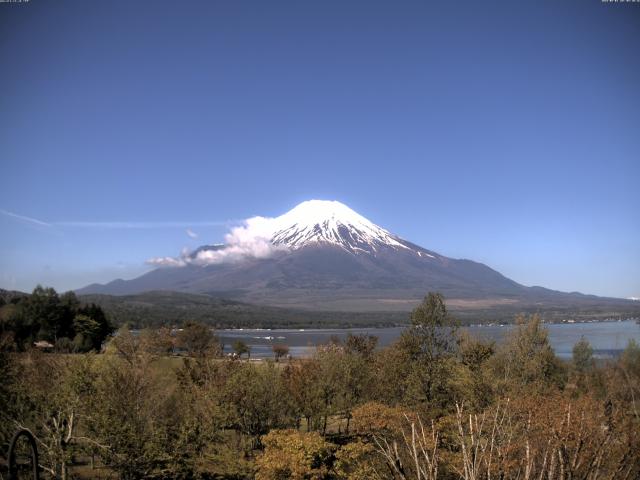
322	255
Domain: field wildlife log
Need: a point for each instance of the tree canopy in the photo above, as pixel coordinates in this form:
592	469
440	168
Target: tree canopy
61	320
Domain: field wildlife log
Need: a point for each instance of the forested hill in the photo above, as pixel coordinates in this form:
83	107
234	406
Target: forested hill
173	308
7	295
166	308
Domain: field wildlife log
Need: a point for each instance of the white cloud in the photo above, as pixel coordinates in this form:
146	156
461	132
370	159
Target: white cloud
252	239
191	233
166	262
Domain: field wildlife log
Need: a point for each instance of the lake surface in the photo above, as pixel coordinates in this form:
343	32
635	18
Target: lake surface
608	339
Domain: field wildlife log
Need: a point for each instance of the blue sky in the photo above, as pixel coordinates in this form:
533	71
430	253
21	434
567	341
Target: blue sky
504	132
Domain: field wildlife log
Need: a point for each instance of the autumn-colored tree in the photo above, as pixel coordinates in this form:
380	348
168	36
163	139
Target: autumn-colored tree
545	437
302	381
280	350
157	342
403	443
359	460
362	345
374	418
294	455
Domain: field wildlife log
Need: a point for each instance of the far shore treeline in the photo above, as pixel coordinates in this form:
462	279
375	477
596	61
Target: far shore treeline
156	309
438	404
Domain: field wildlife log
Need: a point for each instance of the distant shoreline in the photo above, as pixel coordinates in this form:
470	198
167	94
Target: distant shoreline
606	337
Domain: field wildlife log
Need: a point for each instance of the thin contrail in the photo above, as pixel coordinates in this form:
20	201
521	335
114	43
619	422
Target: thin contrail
128	225
118	224
24	218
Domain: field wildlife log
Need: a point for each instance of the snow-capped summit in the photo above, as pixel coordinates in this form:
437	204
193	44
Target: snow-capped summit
332	223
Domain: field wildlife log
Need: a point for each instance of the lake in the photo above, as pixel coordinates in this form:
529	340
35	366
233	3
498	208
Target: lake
606	338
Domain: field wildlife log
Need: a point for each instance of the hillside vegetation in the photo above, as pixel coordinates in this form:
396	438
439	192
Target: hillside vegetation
162	308
173	308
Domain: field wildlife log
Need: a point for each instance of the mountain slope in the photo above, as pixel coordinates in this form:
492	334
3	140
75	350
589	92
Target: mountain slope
322	255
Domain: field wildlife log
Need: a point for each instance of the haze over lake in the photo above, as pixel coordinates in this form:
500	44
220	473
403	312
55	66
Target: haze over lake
606	338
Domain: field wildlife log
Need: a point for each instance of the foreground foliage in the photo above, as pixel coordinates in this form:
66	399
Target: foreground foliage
436	405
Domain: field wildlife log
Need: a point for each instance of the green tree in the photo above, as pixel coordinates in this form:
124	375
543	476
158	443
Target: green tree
12	329
45	317
391	369
68	305
527	359
87	332
9	375
629	371
257	397
582	356
477	382
53	402
104	326
355	382
135	416
198	340
241	348
431	343
630	358
433	332
329	382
